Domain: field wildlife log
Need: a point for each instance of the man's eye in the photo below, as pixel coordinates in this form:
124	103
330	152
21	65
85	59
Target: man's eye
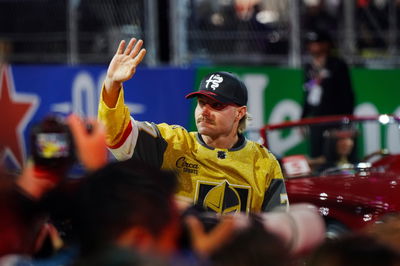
218	106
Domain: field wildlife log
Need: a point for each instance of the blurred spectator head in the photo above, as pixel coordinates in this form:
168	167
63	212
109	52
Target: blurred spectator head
318	42
387	230
127	204
252	245
355	250
245	8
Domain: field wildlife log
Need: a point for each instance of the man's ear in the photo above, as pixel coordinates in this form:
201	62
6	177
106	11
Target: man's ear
241	112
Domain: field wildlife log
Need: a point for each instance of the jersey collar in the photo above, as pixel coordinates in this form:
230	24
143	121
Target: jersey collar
238	145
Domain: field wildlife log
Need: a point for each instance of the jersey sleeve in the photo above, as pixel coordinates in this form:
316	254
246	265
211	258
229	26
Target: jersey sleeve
121	129
127	138
150	144
275	195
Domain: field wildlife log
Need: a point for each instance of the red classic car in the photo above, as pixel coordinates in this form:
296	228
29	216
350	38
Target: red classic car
354	173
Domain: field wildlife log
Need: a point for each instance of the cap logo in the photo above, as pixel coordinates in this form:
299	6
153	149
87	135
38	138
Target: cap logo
215	80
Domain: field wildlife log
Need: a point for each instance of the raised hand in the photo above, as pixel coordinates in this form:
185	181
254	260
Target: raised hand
204	244
122	67
90	146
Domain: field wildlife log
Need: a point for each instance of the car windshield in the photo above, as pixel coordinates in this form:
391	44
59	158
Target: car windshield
330	145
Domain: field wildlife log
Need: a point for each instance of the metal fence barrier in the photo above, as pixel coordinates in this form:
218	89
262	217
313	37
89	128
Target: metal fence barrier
245	32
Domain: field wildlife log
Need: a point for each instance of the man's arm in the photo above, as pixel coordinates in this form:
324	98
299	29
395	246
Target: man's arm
120	127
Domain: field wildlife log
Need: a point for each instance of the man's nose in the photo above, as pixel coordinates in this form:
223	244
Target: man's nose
206	108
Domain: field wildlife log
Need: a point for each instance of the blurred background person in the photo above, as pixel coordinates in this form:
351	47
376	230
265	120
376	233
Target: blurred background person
340	149
327	86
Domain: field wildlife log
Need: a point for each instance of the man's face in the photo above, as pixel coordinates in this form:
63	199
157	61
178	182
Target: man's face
216	119
318	48
344	146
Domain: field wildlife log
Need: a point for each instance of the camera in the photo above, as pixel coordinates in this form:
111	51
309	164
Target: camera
52	144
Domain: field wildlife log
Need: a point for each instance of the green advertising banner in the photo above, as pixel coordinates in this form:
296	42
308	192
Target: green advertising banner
276	95
377	91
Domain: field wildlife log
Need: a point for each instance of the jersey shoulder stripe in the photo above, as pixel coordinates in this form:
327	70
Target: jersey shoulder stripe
125	135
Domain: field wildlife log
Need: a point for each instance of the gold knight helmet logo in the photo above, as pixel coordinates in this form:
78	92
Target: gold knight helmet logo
222	199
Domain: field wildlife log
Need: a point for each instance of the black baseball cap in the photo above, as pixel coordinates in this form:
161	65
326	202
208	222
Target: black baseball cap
318	36
223	87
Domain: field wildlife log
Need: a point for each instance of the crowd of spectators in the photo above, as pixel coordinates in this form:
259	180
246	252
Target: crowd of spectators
124	213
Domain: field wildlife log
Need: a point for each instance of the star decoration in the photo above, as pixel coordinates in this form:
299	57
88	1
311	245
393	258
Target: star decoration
16	111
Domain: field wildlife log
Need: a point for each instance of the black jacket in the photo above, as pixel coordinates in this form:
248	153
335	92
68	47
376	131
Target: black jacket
337	96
